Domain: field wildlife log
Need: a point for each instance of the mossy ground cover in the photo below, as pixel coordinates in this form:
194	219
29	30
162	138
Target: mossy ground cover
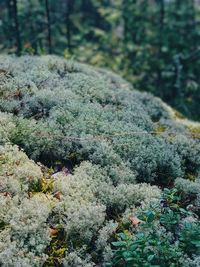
81	153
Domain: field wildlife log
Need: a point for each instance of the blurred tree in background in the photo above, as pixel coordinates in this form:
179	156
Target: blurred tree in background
155	44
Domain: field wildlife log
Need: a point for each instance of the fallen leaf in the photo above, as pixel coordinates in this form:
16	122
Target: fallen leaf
135	221
6	194
57	195
53	231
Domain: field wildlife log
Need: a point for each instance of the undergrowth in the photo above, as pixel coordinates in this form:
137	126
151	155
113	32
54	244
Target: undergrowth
84	160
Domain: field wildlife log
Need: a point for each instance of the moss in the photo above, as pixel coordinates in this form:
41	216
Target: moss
101	137
160	129
178	115
190	177
47	184
57	248
195	131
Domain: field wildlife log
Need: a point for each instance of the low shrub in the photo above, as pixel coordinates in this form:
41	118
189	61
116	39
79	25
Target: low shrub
168	235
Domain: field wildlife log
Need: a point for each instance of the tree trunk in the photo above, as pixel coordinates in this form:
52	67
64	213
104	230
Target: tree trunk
9	18
125	29
69	6
161	35
17	32
32	27
48	27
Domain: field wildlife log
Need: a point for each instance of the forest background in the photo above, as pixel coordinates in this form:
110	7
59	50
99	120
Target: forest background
154	44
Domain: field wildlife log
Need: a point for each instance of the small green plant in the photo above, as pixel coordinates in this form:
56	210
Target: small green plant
168	233
57	248
190	238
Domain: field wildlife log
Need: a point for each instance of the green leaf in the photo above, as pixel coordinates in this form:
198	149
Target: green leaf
150	257
126	254
123	236
133	247
129	259
196	242
118	244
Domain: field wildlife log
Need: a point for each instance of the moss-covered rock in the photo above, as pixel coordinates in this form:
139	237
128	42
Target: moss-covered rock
108	144
69	112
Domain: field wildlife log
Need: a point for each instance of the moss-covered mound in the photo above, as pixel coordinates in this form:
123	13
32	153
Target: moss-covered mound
110	149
